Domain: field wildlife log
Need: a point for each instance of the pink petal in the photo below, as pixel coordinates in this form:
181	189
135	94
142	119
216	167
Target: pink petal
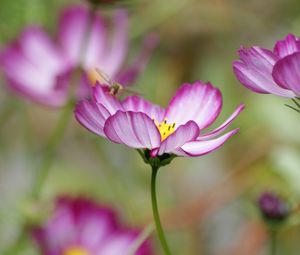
287	46
128	76
199	148
41	52
93	223
83	86
139	104
59	232
221	128
134	129
115	56
102	96
245	75
32	67
198	102
254	71
92	116
73	32
118	244
183	134
286	72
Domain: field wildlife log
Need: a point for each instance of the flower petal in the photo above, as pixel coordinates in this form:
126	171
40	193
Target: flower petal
129	75
254	71
40	51
287	46
58	232
245	75
94	223
199	102
199	148
92	116
120	244
32	66
73	30
139	104
183	134
134	129
221	128
115	56
102	96
286	72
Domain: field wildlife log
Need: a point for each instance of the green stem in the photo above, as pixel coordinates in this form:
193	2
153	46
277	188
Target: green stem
51	148
7	111
43	172
159	228
273	241
20	243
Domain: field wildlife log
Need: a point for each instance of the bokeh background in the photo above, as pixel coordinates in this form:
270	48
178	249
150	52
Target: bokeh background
207	203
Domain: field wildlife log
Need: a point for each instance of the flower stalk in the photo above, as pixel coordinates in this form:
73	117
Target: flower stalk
155	210
275	212
51	148
20	243
273	241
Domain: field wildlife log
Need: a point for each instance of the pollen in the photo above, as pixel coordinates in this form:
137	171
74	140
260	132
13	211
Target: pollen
95	75
164	128
75	251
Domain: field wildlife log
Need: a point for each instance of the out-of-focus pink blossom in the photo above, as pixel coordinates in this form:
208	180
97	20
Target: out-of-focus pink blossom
81	227
178	129
274	71
40	68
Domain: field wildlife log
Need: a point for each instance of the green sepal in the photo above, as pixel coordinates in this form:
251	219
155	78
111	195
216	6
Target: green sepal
158	161
141	152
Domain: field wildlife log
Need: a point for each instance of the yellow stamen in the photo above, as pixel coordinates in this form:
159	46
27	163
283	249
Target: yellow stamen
76	251
164	128
92	76
95	75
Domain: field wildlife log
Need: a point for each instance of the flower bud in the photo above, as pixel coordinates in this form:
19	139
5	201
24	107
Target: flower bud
273	207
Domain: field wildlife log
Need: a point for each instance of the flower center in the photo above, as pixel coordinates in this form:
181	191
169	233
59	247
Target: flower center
75	251
95	75
164	128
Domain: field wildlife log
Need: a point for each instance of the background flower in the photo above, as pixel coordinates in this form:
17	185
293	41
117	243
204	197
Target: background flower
275	72
42	69
80	226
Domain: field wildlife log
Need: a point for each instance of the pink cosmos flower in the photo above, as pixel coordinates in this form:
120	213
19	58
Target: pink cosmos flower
176	130
275	72
81	227
40	68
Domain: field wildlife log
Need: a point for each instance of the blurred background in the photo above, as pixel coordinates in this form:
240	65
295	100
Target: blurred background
207	203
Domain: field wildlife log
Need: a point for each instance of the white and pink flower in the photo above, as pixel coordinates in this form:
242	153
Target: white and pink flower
79	226
178	129
274	71
41	69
